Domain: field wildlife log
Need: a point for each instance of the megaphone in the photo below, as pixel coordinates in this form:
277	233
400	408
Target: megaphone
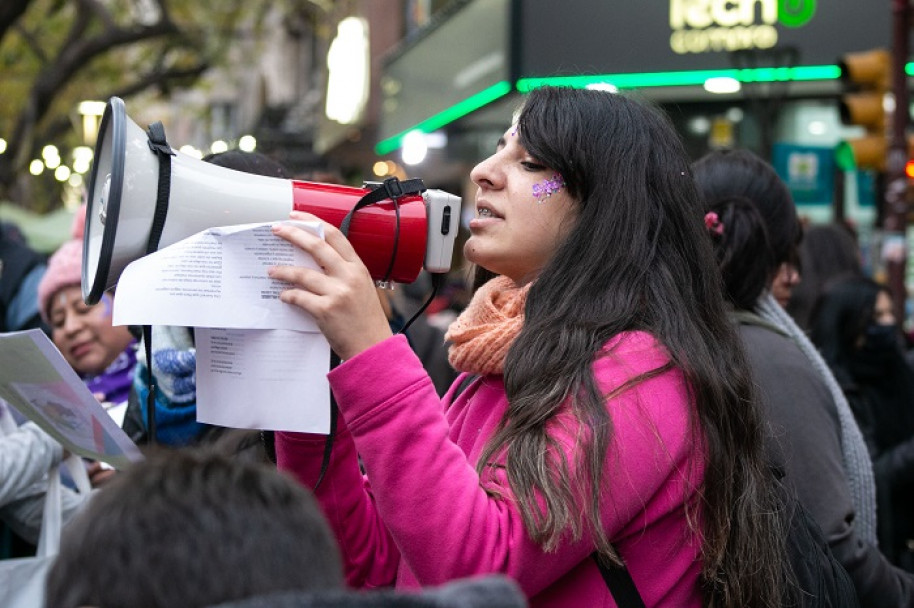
134	207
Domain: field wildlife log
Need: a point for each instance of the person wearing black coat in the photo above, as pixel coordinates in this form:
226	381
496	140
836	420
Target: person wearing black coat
855	329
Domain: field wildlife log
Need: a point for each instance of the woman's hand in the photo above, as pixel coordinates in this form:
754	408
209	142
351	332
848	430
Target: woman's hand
342	298
99	473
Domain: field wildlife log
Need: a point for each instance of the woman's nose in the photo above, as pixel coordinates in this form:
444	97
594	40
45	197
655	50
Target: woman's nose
484	174
71	323
793	275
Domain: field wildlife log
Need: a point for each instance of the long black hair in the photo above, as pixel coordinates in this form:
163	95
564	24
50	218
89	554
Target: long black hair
827	253
638	258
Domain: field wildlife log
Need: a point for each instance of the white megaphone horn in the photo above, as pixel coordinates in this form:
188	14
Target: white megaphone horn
143	195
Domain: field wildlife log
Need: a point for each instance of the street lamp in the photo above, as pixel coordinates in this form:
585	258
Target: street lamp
91	113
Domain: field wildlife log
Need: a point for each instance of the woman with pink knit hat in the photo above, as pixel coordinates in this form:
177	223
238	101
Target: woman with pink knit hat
102	354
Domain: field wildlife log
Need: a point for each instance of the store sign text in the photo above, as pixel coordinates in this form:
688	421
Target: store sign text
704	26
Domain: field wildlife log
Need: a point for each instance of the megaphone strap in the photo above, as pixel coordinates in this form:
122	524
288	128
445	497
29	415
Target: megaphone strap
393	189
159	146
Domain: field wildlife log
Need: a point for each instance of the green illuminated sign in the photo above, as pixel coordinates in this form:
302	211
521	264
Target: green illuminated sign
706	26
433	123
621	81
795	13
687	78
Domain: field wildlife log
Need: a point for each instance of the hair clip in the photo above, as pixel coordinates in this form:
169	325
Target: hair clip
547	188
713	223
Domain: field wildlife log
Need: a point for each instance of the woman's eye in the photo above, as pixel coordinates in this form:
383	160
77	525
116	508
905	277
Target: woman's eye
532	166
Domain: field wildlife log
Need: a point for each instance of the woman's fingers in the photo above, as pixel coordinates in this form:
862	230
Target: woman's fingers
324	254
332	235
341	297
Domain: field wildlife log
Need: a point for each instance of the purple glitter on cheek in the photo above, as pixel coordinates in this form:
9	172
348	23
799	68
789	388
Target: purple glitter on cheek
547	188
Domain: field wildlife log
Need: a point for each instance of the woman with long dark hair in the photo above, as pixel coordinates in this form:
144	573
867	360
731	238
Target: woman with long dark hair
855	328
753	224
612	414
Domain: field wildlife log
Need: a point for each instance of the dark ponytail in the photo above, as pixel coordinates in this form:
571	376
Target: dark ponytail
741	246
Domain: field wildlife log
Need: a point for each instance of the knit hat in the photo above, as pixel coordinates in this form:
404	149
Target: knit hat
64	269
65	266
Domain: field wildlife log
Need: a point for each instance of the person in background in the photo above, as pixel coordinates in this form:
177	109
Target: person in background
104	355
855	328
785	281
752	222
27	454
610	418
828	252
21	269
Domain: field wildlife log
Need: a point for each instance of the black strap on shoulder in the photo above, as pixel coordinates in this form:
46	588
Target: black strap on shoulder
158	144
465	384
620	584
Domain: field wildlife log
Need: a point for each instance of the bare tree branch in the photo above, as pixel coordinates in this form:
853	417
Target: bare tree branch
77	51
32	42
10	12
161	78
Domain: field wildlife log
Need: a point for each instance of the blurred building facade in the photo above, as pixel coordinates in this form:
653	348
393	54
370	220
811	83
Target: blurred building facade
351	86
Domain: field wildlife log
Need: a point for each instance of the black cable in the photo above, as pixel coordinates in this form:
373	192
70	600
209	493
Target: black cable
437	281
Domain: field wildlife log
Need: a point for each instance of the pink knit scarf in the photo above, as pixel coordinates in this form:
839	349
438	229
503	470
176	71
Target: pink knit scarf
481	336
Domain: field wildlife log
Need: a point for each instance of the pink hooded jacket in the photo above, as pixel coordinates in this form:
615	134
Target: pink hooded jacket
421	517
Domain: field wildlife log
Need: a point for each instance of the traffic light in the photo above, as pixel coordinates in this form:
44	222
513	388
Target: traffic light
867	77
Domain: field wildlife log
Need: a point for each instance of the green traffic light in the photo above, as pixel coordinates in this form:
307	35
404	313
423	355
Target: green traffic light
844	156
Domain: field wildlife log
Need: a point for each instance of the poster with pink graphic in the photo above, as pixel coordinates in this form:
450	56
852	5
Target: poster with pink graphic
37	381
